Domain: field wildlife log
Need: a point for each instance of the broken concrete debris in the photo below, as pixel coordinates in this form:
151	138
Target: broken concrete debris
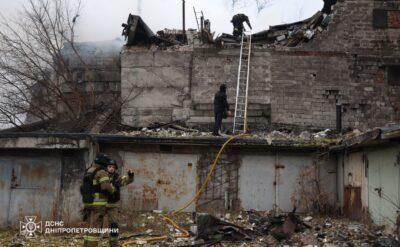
137	32
386	242
212	228
325	138
244	228
252	228
308	219
176	131
285	35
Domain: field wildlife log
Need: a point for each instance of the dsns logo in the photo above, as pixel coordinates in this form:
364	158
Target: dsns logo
29	227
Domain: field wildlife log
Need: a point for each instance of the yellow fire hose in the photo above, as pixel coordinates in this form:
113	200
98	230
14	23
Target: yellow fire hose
185	234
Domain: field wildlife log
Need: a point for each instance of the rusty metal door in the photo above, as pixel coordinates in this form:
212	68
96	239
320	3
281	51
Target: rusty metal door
34	184
355	181
5	175
352	203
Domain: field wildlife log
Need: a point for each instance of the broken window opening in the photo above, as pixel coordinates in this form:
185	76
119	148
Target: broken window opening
393	75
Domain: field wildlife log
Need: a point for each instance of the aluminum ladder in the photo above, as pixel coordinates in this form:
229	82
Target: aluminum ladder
199	20
242	89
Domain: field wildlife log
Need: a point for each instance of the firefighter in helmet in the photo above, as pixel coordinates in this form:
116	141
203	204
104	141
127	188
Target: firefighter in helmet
113	200
95	190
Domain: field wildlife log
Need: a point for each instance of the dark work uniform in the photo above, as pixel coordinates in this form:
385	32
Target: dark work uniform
114	202
327	9
97	209
237	21
221	107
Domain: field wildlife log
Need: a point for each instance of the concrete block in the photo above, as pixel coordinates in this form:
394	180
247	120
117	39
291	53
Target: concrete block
156	77
155	97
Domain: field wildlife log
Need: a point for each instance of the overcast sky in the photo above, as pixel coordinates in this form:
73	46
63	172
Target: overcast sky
101	19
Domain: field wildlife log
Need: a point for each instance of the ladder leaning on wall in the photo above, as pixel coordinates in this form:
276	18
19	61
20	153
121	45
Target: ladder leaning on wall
242	89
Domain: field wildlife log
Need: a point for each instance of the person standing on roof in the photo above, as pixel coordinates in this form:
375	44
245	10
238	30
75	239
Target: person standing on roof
327	9
238	27
114	199
221	108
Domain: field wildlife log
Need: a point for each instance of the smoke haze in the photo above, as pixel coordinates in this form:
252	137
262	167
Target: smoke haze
102	19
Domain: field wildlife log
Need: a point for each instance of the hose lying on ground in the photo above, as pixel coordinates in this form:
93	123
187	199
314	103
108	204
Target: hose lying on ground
185	234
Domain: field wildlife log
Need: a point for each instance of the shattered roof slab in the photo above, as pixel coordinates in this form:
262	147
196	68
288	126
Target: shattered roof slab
287	26
136	31
378	136
191	141
290	34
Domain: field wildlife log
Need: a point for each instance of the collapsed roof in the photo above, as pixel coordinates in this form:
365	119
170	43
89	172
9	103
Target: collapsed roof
137	32
287	34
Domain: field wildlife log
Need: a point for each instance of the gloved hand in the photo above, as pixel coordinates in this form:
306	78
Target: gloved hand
117	184
131	173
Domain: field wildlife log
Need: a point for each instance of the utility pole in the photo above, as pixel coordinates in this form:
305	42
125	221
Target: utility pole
183	20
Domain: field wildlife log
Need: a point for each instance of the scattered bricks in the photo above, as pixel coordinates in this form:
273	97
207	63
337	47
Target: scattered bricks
280	38
369	89
394	19
380	76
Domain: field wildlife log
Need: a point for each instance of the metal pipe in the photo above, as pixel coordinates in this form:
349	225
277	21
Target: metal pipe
202	23
276	192
227	206
339	118
183	20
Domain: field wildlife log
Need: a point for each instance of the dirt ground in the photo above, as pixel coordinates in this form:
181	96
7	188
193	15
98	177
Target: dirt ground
318	231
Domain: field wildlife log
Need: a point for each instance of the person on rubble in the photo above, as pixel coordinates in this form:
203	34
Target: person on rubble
238	27
221	108
95	190
113	200
327	9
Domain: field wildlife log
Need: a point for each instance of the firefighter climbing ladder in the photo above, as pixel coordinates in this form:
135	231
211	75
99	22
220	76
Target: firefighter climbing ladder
242	90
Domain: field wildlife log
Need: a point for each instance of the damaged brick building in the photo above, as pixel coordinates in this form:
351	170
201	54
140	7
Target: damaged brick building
343	71
350	68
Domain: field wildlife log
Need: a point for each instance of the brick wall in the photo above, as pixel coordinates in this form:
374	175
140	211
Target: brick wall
345	65
163	86
155	86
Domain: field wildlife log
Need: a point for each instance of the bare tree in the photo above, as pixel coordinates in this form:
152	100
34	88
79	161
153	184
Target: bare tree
261	4
34	72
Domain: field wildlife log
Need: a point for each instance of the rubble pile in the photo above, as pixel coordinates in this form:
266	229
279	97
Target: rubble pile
246	228
166	130
137	33
285	35
176	130
11	238
253	228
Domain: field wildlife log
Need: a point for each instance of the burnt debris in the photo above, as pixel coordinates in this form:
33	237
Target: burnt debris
137	32
287	34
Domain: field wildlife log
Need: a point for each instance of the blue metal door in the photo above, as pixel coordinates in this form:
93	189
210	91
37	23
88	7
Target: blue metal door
30	187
